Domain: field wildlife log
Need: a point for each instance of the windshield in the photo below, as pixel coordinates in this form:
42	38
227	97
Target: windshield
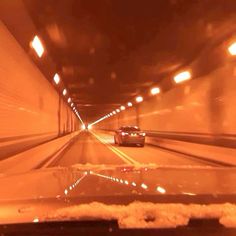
79	78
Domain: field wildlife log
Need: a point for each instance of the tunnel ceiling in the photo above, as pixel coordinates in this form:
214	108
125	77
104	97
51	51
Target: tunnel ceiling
108	51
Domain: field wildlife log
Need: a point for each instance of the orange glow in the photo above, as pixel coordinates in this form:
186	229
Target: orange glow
114	112
69	100
122	108
232	49
183	76
129	104
56	78
155	91
64	92
37	46
139	99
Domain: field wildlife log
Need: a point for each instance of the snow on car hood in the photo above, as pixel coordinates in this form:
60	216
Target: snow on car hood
149	215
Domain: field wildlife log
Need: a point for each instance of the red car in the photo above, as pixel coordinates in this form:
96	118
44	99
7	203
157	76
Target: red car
129	135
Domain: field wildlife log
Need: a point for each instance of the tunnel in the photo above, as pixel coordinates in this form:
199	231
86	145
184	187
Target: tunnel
55	109
117	117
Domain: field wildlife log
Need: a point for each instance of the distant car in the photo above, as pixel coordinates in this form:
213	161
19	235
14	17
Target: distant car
129	135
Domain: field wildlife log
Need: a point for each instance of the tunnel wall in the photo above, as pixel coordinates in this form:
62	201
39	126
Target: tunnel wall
203	106
30	106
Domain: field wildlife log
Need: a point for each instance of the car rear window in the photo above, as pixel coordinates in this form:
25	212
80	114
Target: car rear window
130	129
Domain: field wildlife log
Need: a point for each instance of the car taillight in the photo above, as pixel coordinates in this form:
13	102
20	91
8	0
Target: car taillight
124	133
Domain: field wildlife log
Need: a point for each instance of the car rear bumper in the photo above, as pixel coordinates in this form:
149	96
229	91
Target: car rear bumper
133	140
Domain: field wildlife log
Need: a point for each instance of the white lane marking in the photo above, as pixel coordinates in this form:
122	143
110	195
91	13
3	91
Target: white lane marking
119	153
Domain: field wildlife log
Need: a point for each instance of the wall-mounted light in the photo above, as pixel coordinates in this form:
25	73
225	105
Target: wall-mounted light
37	46
56	78
64	92
232	49
139	99
183	76
155	90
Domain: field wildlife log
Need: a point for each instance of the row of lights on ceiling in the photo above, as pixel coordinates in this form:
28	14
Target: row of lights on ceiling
179	78
39	49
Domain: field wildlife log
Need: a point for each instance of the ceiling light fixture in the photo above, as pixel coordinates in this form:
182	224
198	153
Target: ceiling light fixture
64	92
37	46
139	99
56	78
155	90
183	76
232	49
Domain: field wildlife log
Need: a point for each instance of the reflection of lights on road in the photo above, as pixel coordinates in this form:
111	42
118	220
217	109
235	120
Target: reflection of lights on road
37	46
66	191
183	76
144	186
232	49
161	190
134	184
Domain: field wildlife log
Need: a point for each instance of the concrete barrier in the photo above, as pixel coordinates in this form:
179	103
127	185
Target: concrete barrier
219	155
30	159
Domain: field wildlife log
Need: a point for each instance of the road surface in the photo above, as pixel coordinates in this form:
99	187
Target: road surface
98	148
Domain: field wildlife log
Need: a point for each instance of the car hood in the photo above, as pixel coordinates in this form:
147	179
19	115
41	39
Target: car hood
27	195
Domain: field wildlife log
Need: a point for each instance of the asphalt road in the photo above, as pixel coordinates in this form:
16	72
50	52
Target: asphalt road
98	148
